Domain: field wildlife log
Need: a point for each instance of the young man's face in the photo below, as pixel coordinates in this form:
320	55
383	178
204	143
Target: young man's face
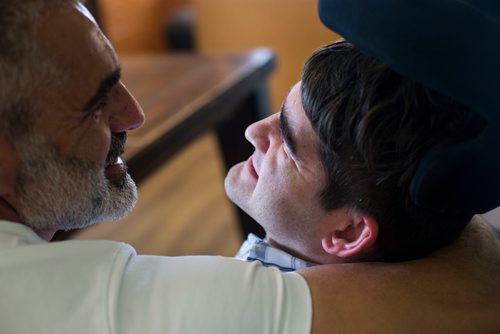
279	184
70	175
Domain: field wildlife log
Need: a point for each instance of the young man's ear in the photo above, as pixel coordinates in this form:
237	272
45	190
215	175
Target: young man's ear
355	235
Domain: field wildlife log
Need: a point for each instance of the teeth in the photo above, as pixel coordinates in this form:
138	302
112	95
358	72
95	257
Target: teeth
118	161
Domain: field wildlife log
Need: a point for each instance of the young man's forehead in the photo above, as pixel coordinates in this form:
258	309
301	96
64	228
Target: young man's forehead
286	132
294	120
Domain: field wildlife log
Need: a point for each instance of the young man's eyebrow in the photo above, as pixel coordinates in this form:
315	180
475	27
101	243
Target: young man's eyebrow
285	130
104	88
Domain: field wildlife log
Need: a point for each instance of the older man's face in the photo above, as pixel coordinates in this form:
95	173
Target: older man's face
70	173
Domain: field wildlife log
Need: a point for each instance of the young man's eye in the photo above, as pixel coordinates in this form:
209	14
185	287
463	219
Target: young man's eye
287	149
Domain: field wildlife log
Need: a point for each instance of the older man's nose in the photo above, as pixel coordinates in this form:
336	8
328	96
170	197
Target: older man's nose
127	114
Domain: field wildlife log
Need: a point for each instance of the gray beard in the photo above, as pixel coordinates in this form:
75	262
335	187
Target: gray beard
55	192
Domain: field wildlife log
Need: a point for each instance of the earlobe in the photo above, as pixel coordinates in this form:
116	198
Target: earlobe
357	236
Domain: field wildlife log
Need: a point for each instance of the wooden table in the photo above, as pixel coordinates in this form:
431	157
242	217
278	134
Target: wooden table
186	95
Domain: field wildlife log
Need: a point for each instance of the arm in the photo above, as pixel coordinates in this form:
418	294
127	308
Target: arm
210	295
456	289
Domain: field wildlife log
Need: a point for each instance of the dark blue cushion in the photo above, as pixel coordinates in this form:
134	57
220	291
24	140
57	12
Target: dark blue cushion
452	46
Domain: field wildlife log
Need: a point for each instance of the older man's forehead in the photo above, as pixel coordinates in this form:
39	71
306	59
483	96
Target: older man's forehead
72	37
79	51
82	9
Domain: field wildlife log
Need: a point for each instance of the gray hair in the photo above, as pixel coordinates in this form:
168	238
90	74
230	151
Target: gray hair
25	66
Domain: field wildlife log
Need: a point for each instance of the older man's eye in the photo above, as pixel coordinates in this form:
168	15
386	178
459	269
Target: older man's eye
96	114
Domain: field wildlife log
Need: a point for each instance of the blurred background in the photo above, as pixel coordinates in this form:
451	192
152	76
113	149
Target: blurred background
291	28
182	207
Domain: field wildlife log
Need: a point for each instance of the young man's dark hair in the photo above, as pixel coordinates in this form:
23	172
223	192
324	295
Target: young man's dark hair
375	126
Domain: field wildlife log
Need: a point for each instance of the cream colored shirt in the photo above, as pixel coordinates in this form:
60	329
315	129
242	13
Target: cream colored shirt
104	287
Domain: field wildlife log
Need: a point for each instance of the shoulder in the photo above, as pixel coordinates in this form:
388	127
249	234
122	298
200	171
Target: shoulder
453	289
47	287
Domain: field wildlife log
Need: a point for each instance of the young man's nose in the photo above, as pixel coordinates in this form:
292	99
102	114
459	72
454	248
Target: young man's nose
126	114
260	134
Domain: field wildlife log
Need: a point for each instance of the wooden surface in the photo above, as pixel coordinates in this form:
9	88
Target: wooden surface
184	96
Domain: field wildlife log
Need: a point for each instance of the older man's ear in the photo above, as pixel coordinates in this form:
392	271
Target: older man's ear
351	238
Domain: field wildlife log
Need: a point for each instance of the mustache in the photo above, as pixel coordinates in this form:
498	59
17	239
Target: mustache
117	146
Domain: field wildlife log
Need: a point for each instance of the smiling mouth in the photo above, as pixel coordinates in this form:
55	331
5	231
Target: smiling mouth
115	171
251	169
118	161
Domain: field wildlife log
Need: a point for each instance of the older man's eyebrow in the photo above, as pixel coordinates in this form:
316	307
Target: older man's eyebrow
102	93
285	130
